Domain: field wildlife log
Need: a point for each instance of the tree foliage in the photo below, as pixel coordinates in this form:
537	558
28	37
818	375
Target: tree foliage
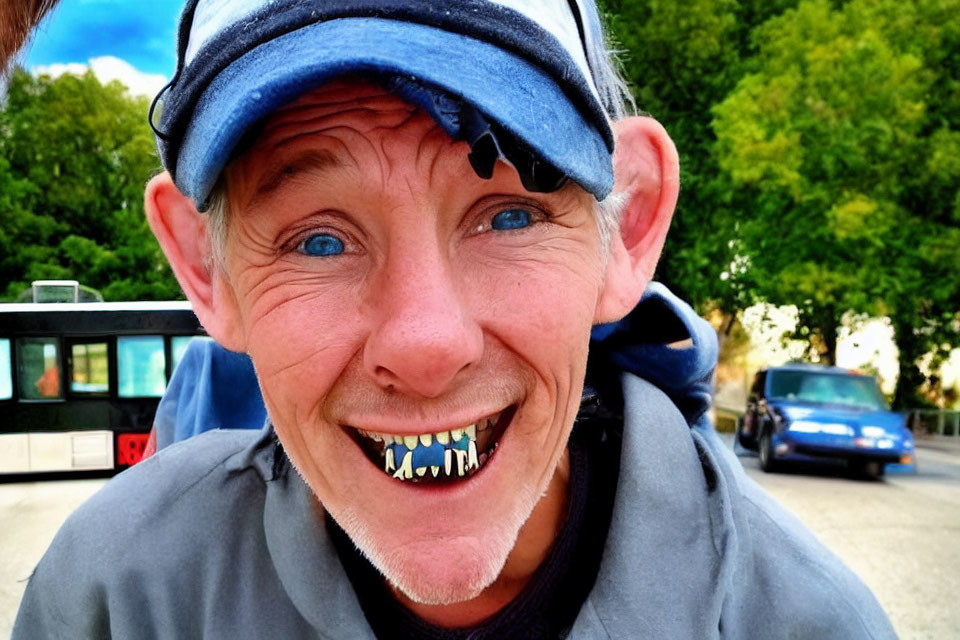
74	158
843	138
682	58
820	165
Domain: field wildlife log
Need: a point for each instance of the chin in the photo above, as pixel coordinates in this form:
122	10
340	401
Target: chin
438	570
431	579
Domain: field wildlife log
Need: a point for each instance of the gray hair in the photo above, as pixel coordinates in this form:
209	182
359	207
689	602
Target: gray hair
615	97
618	102
217	218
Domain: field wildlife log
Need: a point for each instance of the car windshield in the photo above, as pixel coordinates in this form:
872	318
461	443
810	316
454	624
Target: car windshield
826	388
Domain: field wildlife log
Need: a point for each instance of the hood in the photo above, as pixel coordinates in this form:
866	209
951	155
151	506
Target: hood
665	342
211	388
833	413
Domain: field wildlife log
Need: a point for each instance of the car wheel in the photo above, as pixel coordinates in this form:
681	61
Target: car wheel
870	469
767	460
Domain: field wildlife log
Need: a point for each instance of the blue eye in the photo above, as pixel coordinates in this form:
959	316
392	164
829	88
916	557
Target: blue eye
321	244
511	219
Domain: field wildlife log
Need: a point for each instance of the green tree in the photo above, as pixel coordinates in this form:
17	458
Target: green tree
74	157
843	140
682	58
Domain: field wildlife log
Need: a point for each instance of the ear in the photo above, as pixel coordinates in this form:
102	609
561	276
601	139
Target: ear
182	233
647	172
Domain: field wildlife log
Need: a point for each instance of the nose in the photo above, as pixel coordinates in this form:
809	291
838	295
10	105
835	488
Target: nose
424	334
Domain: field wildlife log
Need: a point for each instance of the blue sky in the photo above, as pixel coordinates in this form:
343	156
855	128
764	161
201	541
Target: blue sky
141	32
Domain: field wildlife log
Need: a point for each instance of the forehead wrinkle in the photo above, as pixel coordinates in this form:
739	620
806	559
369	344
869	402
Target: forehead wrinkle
307	114
306	165
309	161
356	143
389	133
442	144
302	121
331	98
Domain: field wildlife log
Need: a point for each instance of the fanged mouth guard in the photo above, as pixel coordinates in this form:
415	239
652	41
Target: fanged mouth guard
437	457
452	454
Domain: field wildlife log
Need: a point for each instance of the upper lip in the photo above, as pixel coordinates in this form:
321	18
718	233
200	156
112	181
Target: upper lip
404	425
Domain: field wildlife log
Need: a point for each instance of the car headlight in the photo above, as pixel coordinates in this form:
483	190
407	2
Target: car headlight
832	428
873	432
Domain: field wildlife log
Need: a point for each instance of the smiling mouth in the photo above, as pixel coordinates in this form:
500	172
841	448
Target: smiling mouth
436	458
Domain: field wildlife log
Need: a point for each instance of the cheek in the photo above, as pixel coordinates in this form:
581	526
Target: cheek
543	311
548	300
301	337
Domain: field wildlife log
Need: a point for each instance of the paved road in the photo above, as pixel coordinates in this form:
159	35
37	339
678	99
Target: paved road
30	514
901	534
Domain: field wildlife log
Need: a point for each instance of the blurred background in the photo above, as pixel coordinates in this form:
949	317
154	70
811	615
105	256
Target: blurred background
819	222
820	144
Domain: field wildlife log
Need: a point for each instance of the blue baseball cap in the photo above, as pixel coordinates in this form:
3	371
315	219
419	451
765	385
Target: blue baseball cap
512	78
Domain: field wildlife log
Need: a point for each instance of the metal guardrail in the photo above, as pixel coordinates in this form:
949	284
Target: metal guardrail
942	422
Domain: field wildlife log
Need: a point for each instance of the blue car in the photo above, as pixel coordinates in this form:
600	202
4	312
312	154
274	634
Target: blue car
809	413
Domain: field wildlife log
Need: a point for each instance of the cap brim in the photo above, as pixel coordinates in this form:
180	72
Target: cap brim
506	88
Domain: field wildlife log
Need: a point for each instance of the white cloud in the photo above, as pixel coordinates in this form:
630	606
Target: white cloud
108	68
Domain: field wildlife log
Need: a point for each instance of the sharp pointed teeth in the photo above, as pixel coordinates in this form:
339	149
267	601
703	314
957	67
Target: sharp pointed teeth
405	471
472	461
467	461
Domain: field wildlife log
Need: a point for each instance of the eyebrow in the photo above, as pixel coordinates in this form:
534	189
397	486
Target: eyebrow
313	160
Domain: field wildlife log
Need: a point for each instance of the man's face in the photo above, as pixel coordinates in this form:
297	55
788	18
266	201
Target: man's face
383	288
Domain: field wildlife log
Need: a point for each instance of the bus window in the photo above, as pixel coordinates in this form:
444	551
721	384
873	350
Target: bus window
178	346
6	374
38	368
89	371
141	366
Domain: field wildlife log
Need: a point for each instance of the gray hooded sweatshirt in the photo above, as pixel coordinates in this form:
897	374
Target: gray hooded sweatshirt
211	538
204	540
